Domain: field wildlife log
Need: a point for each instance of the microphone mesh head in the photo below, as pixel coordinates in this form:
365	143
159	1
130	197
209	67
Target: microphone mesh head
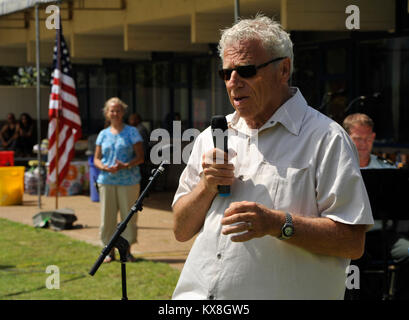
219	122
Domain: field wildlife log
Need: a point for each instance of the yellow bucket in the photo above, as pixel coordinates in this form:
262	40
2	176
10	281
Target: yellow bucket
11	185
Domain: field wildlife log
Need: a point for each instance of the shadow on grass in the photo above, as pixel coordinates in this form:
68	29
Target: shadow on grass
169	260
39	288
155	228
154	260
2	267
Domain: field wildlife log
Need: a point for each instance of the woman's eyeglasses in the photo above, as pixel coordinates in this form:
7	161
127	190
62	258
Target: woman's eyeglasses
245	71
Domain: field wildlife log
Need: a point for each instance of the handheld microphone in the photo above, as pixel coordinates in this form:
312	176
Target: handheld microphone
219	130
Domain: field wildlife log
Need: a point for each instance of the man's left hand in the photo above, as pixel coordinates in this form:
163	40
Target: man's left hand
251	220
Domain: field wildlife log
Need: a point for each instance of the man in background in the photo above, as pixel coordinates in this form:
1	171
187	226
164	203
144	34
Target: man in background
360	128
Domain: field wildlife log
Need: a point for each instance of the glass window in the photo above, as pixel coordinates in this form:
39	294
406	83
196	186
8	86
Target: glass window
221	103
7	74
125	88
181	105
180	91
306	74
144	92
180	73
160	108
403	92
335	61
321	73
111	84
97	97
82	93
203	96
380	67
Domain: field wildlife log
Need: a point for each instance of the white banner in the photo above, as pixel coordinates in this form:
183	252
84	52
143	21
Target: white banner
10	6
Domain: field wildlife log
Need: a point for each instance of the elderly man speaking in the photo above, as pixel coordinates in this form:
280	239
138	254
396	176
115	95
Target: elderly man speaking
298	209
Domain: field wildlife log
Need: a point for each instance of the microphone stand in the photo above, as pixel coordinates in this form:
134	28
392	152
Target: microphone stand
326	99
359	98
119	242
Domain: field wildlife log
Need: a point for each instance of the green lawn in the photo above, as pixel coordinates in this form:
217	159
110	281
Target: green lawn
25	253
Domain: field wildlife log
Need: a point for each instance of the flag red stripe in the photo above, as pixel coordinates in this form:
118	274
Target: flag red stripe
72	125
61	151
64	170
68	89
69	106
61	144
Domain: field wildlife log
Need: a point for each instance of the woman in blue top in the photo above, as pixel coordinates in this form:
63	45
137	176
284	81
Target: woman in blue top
118	152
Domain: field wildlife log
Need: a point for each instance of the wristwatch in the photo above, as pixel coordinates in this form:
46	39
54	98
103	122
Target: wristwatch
287	230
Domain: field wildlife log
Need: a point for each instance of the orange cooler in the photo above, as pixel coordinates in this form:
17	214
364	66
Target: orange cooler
11	185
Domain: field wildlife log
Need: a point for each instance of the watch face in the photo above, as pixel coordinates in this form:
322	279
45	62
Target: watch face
288	231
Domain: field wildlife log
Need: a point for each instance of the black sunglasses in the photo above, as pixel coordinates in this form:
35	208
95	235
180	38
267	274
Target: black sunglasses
245	71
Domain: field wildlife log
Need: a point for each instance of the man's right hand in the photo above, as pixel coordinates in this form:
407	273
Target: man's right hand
190	210
216	169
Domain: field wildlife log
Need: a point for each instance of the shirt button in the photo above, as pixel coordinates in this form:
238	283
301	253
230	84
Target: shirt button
219	255
211	297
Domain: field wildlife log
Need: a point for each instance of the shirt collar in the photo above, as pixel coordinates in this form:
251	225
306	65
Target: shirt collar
290	115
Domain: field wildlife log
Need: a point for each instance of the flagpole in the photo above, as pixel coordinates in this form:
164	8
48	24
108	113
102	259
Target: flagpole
57	132
39	177
58	113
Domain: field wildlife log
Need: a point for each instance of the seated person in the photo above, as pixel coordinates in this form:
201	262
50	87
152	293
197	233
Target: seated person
360	127
25	129
9	134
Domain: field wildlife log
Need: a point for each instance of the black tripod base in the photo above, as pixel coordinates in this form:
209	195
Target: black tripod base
123	247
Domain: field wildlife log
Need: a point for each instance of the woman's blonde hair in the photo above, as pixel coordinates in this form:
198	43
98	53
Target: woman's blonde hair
114	100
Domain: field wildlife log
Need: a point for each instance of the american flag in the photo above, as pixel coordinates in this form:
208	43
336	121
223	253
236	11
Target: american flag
63	108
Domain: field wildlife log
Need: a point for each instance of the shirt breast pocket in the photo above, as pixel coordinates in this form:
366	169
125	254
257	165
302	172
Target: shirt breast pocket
295	189
290	187
258	185
280	187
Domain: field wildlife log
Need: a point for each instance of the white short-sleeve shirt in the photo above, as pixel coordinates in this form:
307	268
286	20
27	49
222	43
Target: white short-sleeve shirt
300	161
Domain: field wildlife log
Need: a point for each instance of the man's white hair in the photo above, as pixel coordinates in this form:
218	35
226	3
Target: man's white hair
273	37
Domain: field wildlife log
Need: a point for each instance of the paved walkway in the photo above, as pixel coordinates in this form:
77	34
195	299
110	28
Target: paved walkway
155	236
